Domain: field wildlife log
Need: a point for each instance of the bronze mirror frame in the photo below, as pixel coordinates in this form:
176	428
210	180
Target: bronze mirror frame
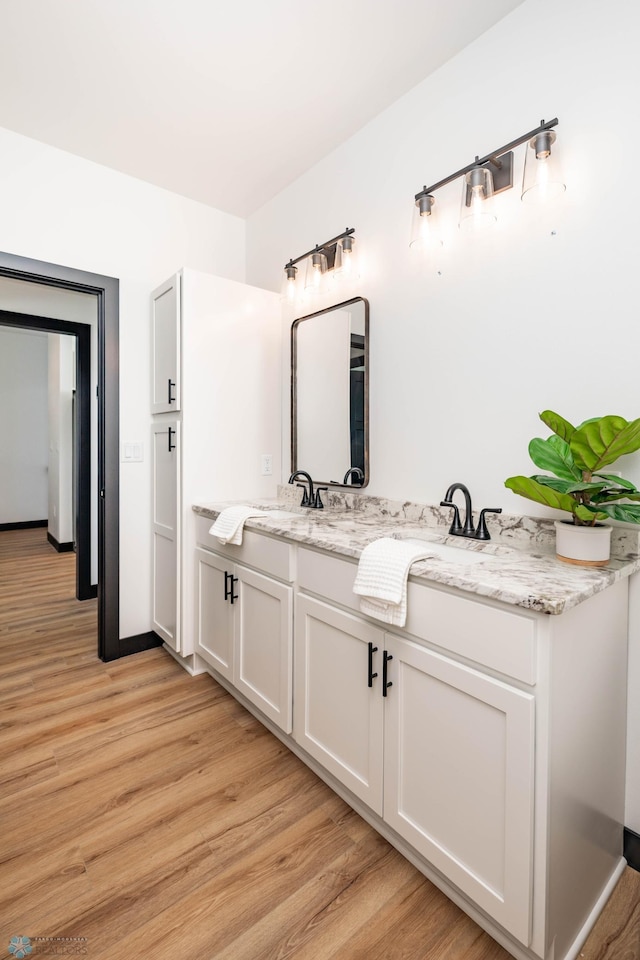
294	381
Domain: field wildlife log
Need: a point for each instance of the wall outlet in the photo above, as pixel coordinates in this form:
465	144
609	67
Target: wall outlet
266	461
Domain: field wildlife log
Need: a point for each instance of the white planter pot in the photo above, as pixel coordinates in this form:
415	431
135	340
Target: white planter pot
588	546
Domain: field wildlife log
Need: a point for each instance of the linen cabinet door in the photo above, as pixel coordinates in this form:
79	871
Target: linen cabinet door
338	717
263	624
459	752
214	624
165	439
165	354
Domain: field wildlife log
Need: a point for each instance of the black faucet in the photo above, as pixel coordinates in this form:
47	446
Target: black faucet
309	497
468	530
354	472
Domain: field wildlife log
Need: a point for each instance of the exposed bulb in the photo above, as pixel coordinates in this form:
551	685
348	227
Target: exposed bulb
425	232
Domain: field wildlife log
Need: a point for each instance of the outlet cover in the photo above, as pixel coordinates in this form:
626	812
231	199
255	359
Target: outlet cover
266	464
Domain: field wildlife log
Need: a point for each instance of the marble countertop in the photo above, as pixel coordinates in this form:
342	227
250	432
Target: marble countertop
517	566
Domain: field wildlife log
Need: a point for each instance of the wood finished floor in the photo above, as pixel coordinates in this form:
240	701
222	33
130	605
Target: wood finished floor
146	811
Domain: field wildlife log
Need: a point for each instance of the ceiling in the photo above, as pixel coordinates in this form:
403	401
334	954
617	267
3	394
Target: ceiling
223	102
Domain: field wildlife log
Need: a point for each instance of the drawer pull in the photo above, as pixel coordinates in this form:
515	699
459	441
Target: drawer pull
171	385
385	682
371	675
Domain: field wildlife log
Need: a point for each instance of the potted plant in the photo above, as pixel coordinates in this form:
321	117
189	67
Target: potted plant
576	456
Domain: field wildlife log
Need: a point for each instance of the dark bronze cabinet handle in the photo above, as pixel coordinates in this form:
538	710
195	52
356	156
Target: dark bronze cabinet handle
371	675
229	581
386	657
172	384
172	446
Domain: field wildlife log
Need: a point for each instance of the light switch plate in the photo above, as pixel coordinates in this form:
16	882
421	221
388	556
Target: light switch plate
132	452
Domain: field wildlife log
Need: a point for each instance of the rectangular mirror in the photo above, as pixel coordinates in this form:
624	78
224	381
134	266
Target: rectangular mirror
330	394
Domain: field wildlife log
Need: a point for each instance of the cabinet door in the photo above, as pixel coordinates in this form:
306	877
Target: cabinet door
165	340
166	531
459	751
263	622
214	625
338	717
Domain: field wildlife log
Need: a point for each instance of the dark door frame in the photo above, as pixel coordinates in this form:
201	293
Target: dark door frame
106	291
82	442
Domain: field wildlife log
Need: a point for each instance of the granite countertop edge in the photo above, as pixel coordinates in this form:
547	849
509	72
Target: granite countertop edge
527	575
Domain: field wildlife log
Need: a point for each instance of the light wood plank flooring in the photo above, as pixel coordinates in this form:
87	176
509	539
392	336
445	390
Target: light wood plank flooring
147	812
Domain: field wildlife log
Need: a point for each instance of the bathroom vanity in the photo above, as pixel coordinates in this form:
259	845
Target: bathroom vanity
485	739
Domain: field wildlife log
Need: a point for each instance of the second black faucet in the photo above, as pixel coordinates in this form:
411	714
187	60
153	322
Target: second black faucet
309	497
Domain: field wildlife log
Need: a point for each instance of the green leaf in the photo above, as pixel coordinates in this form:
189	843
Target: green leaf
600	442
609	495
589	514
554	454
617	481
583	485
541	493
562	486
558	424
630	512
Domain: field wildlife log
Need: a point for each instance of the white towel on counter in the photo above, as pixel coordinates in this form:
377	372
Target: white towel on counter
228	527
381	581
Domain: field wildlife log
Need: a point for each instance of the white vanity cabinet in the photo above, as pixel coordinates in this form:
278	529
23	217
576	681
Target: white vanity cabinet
216	362
244	618
338	710
438	749
165	447
458	776
165	347
494	754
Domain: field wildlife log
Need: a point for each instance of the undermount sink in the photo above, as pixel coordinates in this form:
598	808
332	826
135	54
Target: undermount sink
461	555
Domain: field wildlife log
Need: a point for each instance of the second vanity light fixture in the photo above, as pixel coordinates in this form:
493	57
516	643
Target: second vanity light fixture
332	259
487	176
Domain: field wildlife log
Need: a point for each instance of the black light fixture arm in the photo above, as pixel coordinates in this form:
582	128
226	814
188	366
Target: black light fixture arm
490	158
319	247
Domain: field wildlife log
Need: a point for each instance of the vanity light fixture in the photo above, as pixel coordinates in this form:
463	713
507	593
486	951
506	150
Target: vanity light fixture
332	258
490	175
425	228
316	269
476	208
289	283
542	179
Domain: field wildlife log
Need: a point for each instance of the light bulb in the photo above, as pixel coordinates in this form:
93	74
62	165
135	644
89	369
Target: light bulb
425	232
476	210
542	179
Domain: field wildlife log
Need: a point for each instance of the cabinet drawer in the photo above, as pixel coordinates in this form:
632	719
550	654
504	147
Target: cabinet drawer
498	638
257	550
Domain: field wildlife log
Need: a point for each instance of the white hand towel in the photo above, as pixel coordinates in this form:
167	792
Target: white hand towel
381	581
228	527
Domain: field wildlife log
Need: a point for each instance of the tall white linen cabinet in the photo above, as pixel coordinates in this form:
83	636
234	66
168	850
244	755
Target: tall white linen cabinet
216	410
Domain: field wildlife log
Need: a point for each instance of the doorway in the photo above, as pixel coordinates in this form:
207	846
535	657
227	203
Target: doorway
85	589
106	291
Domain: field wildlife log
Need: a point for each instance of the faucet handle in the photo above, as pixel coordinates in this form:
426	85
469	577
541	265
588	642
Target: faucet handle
305	496
456	526
318	501
482	533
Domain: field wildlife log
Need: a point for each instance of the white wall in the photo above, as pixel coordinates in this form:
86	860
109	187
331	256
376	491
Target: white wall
63	209
24	447
61	386
544	313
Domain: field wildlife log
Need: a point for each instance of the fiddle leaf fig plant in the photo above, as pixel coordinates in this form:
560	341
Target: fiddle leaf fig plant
576	457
